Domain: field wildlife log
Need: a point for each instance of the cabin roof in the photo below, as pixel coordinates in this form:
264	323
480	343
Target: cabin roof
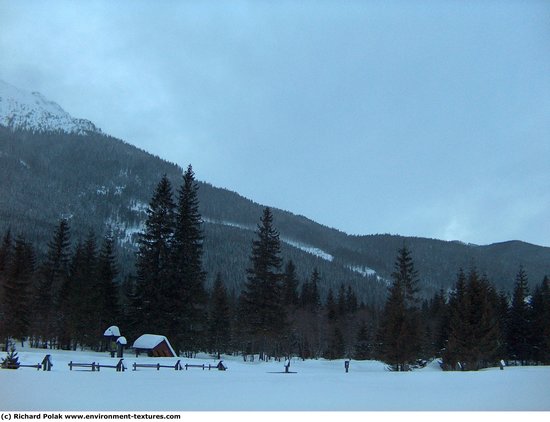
150	341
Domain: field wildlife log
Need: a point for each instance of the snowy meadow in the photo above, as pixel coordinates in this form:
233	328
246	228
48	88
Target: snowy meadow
316	385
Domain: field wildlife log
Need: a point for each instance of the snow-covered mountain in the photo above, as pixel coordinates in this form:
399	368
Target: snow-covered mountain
32	111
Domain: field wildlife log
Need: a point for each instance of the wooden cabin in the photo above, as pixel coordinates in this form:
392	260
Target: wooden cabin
154	345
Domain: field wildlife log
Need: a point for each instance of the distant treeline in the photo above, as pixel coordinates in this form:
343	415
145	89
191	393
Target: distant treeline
67	299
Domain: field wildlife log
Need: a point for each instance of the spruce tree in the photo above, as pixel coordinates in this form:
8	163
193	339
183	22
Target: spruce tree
540	322
62	321
406	276
264	314
152	312
519	322
6	252
502	315
53	274
106	288
399	329
395	349
474	333
11	361
291	303
16	288
187	274
82	276
485	323
456	344
437	321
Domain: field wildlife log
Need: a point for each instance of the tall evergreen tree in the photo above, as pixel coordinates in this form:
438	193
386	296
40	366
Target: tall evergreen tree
474	332
151	303
399	329
541	322
291	303
436	320
264	313
188	276
406	276
456	343
82	275
16	288
64	310
395	348
6	252
519	322
502	315
106	288
53	274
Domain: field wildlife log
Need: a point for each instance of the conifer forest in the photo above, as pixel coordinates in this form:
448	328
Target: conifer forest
68	298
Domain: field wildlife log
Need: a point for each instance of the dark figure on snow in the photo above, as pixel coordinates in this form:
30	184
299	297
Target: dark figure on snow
287	365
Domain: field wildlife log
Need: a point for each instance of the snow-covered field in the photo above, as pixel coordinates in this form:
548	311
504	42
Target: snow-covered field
318	385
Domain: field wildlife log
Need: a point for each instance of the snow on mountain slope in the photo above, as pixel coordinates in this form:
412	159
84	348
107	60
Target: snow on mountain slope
310	249
306	248
32	111
228	224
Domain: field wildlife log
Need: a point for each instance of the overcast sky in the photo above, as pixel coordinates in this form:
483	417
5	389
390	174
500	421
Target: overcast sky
422	118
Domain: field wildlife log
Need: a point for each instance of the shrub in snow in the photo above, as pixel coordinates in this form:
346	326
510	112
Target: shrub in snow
11	361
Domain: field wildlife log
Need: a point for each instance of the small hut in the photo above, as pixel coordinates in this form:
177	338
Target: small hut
154	345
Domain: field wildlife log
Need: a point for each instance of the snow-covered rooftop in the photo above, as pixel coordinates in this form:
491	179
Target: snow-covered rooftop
150	341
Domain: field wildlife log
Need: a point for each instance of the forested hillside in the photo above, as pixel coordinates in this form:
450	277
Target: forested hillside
99	182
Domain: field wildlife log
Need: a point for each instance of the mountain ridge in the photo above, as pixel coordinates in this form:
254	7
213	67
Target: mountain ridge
114	184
